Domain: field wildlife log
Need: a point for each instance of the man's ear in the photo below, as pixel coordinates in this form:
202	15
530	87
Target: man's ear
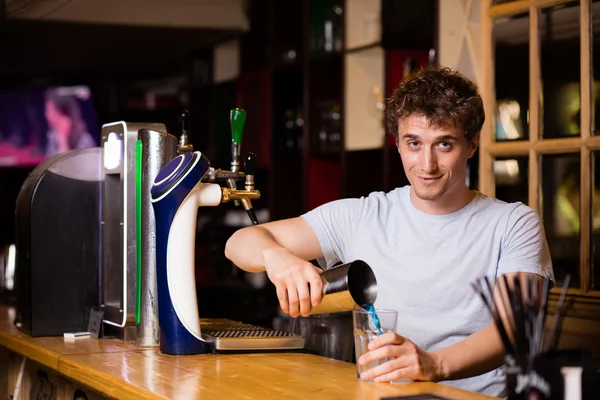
474	144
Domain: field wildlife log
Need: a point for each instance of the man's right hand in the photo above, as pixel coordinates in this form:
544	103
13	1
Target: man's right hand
298	282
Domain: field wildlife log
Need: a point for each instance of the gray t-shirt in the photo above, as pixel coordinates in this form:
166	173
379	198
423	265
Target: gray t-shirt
424	264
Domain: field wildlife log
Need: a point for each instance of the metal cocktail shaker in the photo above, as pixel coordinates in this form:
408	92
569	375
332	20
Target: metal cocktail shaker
328	328
154	150
346	287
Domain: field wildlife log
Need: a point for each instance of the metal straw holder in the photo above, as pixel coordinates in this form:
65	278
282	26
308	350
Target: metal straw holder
347	287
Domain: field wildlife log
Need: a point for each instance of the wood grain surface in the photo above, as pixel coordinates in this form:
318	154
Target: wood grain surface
120	370
47	350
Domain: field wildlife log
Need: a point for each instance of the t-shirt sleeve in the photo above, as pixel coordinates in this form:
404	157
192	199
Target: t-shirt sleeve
335	223
525	248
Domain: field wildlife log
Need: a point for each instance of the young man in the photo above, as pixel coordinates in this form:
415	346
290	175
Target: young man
426	243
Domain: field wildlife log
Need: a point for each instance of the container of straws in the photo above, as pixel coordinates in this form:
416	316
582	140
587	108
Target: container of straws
535	368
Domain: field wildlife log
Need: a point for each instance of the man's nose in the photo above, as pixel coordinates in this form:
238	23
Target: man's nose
429	161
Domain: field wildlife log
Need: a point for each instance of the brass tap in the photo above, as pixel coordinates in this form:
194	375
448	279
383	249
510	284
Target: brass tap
239	194
218	175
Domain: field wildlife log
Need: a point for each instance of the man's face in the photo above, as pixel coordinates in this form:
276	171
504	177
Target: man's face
434	158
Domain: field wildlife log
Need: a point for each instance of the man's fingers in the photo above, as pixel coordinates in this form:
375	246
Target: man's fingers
303	294
304	297
298	289
388	371
380	353
401	367
293	299
316	289
283	297
385	339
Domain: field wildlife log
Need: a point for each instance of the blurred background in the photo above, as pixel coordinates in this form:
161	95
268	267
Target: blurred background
311	74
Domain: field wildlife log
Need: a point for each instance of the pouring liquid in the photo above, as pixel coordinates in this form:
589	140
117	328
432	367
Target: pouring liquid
370	308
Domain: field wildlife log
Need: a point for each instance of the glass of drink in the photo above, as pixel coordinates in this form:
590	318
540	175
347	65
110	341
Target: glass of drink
369	323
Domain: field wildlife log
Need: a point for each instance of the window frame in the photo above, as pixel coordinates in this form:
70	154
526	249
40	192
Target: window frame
536	146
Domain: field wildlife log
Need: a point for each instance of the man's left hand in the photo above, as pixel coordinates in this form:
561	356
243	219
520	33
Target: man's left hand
407	360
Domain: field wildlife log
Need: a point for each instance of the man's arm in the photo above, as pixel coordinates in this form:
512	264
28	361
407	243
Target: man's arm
282	249
479	353
247	247
483	350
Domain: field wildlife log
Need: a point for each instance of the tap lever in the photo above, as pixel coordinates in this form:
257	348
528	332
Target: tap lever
250	170
250	164
183	121
184	143
237	120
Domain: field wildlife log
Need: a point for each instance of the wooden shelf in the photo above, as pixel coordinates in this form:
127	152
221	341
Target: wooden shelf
334	63
363	48
364	99
363	23
324	57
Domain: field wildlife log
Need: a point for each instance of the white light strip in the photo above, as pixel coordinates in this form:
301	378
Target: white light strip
9	273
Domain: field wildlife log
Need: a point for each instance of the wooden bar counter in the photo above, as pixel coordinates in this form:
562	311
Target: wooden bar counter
53	368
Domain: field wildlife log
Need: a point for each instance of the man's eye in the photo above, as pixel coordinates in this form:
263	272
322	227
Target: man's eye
413	144
445	145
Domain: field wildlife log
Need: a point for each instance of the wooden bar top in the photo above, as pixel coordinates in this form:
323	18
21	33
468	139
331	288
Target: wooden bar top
123	371
47	350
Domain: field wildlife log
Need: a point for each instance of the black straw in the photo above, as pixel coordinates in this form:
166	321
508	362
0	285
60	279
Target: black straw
487	295
553	339
525	307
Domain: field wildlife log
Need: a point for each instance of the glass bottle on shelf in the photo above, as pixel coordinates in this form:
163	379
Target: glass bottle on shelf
323	136
289	56
299	128
335	135
337	33
325	19
332	29
316	20
289	130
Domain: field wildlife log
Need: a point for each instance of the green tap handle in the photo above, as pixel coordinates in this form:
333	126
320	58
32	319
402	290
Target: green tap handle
237	119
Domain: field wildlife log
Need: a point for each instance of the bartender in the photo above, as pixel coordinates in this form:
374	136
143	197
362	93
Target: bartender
426	243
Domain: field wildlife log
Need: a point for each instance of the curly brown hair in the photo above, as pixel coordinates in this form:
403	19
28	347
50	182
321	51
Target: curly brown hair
441	95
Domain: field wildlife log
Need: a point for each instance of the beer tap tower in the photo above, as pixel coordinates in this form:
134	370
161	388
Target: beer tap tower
185	184
237	121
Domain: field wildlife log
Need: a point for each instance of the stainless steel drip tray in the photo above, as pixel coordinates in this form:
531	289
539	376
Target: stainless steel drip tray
240	336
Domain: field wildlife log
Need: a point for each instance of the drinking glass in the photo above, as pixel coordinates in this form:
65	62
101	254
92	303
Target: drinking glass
367	326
